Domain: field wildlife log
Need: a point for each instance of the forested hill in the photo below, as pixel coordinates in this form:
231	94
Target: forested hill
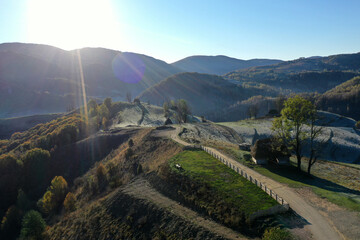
304	74
219	65
208	95
343	99
38	78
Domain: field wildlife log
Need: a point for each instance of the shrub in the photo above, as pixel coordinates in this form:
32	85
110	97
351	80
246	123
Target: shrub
33	226
69	202
131	142
139	169
276	234
137	101
129	152
101	177
357	125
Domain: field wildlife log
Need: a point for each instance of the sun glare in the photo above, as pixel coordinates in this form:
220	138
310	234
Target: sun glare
71	24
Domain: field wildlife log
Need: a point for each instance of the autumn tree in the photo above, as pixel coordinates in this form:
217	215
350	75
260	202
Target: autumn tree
69	202
59	188
292	127
104	112
54	196
67	134
92	108
108	103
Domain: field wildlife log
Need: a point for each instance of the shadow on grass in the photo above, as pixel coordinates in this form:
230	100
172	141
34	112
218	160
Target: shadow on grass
294	174
292	220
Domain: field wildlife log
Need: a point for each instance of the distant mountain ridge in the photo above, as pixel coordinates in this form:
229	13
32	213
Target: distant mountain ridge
36	79
303	74
220	64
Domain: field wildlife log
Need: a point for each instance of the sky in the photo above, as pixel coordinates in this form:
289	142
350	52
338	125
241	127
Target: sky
171	30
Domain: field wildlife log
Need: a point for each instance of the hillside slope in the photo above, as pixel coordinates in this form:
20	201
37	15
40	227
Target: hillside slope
343	99
207	95
304	74
41	79
219	65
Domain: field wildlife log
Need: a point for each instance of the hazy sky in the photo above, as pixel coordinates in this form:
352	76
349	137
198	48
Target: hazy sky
171	30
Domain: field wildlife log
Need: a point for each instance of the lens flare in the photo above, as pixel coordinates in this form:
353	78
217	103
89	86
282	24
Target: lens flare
128	67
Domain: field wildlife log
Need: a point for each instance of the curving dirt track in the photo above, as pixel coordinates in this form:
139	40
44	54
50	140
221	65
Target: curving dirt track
319	226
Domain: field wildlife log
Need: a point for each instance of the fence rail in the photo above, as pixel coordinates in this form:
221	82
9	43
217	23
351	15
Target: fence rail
243	173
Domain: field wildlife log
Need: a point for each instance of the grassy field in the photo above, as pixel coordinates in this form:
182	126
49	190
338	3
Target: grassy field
234	189
336	182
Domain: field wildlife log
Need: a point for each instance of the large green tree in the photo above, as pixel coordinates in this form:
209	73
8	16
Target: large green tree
33	226
182	110
36	166
296	128
10	176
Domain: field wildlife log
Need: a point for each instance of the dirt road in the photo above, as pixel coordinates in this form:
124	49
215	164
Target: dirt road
317	224
141	188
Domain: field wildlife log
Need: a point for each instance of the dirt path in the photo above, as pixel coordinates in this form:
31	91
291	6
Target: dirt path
140	188
317	224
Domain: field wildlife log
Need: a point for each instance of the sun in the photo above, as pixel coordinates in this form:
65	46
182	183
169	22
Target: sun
71	24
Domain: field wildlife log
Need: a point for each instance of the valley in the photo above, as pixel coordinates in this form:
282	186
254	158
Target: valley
166	161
